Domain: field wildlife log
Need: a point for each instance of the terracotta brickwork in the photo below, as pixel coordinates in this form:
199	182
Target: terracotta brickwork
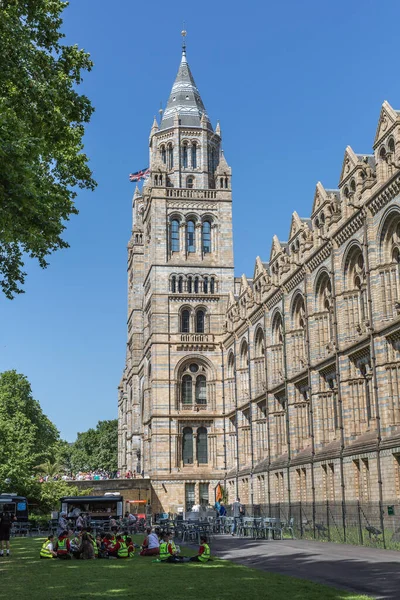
285	385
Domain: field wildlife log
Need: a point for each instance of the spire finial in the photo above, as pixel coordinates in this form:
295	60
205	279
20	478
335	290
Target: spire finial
183	34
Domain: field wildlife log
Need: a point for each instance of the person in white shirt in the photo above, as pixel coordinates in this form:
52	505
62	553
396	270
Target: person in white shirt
151	544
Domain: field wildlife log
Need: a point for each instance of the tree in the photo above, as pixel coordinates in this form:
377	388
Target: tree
49	468
96	448
27	436
42	120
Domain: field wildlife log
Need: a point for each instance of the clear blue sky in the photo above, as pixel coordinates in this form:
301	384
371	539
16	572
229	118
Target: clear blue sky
291	82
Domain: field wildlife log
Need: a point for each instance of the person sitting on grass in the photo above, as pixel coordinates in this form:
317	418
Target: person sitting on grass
167	552
151	544
131	547
204	552
47	549
120	550
63	546
176	549
86	547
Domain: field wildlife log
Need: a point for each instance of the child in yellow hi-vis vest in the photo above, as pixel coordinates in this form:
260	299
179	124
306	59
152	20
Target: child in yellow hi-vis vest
204	552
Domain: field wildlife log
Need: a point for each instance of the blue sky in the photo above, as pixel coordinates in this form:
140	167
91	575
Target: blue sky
292	84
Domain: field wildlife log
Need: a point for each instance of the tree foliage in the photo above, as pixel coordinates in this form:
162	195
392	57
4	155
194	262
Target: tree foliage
96	448
42	120
27	436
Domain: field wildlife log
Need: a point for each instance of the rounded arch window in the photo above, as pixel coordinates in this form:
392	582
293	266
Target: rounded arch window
175	235
382	152
201	387
180	284
194	156
196	285
190	237
185	321
212	285
189	284
391	145
170	156
187	446
200	321
173	284
189	183
184	155
187	385
206	237
202	446
163	154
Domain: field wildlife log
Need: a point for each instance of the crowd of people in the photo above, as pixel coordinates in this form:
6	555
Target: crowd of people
97	475
83	544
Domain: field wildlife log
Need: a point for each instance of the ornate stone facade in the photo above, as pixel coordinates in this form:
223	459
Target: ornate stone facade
287	385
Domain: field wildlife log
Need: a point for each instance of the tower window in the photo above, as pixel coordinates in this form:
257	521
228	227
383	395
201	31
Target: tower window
201	396
212	285
170	157
206	237
180	285
163	154
194	156
196	285
184	155
173	284
186	389
175	235
187	446
202	450
221	182
200	321
185	321
189	182
190	237
205	285
189	285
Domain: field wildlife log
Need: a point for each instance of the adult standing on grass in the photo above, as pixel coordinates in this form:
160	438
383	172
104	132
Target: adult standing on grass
237	512
6	521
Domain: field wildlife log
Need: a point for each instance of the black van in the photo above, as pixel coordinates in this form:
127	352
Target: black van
16	505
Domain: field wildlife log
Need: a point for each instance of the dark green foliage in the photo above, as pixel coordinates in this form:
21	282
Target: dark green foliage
42	121
96	448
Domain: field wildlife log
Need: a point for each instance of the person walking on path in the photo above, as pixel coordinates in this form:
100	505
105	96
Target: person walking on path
6	521
237	512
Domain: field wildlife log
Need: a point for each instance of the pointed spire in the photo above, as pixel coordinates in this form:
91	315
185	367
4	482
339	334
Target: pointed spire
154	127
185	98
136	194
218	129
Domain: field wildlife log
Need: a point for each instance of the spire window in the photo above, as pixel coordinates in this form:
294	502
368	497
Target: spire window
206	234
170	156
190	237
194	156
175	235
185	155
163	154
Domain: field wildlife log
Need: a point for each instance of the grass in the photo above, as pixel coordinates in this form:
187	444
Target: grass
24	575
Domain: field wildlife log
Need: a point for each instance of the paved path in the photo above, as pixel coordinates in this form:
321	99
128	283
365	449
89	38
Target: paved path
354	568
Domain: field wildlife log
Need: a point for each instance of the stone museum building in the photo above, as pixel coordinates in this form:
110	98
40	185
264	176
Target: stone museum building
284	387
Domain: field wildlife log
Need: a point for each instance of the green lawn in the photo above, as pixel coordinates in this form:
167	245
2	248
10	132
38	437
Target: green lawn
24	576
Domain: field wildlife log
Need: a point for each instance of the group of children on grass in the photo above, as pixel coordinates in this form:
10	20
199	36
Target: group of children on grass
85	545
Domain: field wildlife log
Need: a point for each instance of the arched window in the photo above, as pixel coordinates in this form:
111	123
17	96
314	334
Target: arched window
173	284
201	390
277	364
180	285
389	270
184	155
187	389
206	235
205	285
324	316
202	450
355	298
189	183
190	237
185	321
298	337
170	156
196	285
163	154
187	446
200	321
221	182
212	285
194	156
189	285
175	235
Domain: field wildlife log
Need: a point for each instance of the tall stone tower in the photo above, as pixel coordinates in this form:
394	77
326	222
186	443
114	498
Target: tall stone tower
180	274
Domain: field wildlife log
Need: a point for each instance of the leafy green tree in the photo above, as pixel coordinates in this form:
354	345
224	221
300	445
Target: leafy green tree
96	448
49	468
42	119
28	437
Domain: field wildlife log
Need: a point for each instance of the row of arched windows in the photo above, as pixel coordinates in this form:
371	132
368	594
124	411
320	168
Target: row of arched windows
189	284
189	154
190	236
201	446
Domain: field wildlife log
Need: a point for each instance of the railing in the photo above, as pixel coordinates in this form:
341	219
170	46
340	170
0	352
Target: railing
191	193
197	338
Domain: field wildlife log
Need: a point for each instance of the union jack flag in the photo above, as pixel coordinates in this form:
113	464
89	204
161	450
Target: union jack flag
139	175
